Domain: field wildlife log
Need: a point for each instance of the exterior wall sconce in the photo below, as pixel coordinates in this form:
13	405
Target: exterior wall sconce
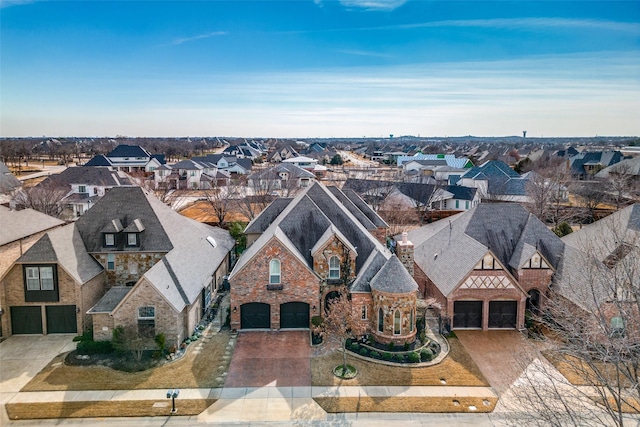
235	309
314	308
172	394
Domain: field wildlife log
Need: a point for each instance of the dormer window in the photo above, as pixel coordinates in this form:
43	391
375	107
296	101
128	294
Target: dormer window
132	239
82	189
109	239
334	267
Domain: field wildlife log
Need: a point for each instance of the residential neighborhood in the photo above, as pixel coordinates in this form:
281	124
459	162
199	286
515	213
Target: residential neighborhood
434	256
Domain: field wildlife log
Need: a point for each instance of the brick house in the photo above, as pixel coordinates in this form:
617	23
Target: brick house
304	250
129	261
486	266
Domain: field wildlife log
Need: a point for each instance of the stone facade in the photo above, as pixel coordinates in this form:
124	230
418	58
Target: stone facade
334	247
70	292
129	266
404	251
298	283
405	304
363	302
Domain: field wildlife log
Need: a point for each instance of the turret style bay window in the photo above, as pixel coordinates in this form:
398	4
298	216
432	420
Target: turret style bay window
334	267
274	272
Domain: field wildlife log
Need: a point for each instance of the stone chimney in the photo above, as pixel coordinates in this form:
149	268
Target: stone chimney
404	251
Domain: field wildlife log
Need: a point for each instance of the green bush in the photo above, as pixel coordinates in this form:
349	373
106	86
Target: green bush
161	341
426	354
354	346
364	352
414	357
316	321
390	346
407	346
375	354
119	340
95	347
86	336
423	336
398	357
386	356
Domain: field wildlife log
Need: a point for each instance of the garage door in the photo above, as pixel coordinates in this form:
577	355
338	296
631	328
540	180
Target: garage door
255	315
467	314
503	314
26	320
61	319
294	315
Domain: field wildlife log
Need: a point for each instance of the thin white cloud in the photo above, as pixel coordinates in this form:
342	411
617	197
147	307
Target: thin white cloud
381	5
7	3
199	37
363	53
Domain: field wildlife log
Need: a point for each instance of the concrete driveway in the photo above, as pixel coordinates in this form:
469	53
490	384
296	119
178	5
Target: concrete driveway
23	356
502	356
270	358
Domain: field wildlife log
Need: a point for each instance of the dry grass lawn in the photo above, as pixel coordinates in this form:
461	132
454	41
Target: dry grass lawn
457	369
578	373
101	409
199	368
406	404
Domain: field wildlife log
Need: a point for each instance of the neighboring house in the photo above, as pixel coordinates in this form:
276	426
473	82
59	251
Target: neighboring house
20	230
248	150
495	180
485	266
282	176
600	268
282	153
230	164
438	169
86	185
303	251
449	159
626	169
129	158
190	174
309	164
129	261
588	163
9	184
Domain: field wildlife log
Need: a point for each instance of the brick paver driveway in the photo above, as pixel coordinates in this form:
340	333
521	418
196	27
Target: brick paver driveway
502	356
270	358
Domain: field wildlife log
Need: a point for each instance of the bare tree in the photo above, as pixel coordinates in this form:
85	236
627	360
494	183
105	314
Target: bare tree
221	198
341	322
619	184
45	197
593	315
590	195
257	196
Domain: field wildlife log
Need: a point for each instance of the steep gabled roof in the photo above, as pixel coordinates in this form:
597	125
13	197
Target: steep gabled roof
19	224
124	150
99	160
365	208
8	181
260	223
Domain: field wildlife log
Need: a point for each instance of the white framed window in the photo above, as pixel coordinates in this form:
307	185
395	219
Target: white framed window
397	320
82	189
109	239
274	272
132	239
147	322
364	312
33	278
40	278
334	267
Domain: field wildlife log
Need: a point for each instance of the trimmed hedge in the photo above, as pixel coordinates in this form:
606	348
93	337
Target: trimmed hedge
94	347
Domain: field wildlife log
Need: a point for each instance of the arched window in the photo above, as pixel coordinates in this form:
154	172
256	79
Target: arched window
396	322
274	272
334	267
380	320
412	316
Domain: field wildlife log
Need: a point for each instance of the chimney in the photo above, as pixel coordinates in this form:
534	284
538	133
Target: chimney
404	251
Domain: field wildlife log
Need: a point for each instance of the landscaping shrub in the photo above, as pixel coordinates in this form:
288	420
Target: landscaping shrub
414	357
435	347
386	356
406	346
119	340
161	342
354	346
398	357
423	336
426	355
375	354
94	347
390	346
86	336
364	352
316	321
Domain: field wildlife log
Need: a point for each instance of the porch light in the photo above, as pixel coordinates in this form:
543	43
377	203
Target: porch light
235	309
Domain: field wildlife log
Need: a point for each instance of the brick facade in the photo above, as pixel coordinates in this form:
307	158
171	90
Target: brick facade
299	284
360	300
390	303
70	292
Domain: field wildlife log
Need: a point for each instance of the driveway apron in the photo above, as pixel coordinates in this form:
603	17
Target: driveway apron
270	358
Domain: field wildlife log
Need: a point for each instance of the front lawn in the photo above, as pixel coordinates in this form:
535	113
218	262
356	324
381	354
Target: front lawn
201	367
457	369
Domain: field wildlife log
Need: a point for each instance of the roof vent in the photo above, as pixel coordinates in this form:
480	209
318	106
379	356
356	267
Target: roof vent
212	241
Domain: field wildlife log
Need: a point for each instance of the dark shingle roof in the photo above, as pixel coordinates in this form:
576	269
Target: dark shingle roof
266	217
365	208
364	220
124	204
124	150
99	160
41	251
393	277
99	176
111	299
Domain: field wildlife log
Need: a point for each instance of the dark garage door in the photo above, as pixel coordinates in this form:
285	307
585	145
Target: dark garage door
26	320
294	315
503	314
255	315
467	314
61	319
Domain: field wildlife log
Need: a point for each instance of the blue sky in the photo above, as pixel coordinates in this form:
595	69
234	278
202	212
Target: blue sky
319	68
